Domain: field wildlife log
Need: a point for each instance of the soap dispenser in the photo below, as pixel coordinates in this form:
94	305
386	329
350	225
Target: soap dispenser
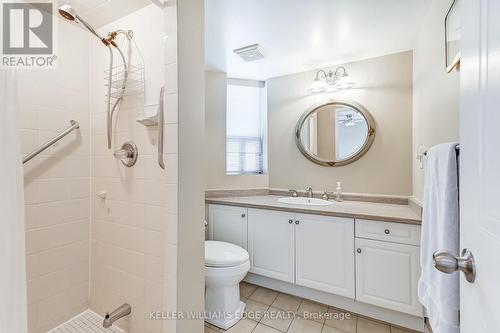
338	192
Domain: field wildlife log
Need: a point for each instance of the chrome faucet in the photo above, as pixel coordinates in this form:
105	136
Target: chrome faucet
309	192
122	311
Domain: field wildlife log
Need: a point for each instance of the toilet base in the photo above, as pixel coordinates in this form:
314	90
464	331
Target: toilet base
228	321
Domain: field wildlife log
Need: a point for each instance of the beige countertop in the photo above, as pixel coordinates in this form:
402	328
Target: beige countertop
355	209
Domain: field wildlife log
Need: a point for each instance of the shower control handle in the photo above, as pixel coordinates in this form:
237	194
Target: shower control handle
123	153
127	154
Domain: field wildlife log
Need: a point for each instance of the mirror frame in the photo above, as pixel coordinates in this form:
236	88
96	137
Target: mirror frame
357	155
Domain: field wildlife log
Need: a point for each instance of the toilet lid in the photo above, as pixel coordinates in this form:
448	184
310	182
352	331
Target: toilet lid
222	254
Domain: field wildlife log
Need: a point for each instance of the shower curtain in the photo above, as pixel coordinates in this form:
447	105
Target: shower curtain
13	307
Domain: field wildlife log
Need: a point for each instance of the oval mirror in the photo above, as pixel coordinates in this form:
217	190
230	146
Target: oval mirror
335	133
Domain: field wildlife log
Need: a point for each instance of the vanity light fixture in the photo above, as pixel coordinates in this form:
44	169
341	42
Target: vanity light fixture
331	80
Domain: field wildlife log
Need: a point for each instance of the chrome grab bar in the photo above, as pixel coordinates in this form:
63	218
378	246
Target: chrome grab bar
161	127
74	125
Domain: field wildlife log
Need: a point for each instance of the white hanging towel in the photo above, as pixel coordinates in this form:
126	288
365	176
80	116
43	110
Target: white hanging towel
13	309
439	292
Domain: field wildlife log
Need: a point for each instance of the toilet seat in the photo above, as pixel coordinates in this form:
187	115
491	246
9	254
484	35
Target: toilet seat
222	254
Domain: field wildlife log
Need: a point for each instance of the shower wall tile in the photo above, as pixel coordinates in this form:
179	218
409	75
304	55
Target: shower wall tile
128	243
57	183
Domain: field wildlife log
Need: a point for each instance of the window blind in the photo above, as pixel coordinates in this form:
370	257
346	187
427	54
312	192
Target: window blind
245	127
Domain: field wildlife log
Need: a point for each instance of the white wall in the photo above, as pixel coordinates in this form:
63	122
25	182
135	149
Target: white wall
127	249
170	231
435	93
215	140
57	182
385	89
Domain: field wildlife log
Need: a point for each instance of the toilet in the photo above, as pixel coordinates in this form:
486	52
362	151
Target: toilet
226	265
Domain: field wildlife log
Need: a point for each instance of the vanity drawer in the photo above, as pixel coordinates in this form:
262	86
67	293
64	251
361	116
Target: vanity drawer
388	231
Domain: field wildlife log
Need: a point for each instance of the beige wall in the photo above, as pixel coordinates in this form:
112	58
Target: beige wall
215	140
435	93
385	89
57	183
127	248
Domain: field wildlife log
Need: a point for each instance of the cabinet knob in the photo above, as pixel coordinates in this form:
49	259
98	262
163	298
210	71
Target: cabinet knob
387	231
243	216
290	221
297	222
358	250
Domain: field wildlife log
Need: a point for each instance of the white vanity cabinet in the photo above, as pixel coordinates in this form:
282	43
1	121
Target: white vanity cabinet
372	262
271	244
228	224
324	253
387	271
308	250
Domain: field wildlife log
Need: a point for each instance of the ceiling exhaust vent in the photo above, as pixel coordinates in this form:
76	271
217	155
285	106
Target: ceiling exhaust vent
250	53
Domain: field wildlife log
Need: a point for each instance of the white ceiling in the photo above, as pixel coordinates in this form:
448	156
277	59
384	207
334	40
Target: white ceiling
301	35
101	12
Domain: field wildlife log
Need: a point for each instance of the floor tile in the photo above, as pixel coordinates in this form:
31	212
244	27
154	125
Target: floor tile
212	327
246	289
243	326
278	319
255	310
287	302
400	330
87	321
264	329
371	326
328	329
341	319
313	311
301	325
209	330
264	295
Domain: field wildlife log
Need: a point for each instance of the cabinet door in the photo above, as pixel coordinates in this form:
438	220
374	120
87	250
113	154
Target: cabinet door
228	224
387	275
325	254
271	243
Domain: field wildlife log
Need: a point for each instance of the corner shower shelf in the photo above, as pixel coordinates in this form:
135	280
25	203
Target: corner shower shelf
134	82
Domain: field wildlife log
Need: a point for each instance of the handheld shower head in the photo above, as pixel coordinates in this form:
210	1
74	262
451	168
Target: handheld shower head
67	12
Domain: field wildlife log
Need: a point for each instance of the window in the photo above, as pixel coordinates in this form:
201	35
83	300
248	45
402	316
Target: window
245	127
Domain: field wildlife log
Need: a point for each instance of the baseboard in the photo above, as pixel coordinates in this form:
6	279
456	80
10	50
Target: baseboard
389	316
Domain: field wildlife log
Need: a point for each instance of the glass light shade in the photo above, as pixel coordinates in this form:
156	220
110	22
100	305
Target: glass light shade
344	82
317	86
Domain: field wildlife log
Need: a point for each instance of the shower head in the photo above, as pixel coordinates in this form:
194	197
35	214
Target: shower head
69	13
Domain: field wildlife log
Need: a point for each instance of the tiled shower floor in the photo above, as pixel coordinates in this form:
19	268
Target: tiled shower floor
86	322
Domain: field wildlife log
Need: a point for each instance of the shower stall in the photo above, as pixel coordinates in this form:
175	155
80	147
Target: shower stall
100	173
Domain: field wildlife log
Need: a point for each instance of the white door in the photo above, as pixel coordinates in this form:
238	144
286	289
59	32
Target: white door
387	275
324	253
228	224
271	241
480	164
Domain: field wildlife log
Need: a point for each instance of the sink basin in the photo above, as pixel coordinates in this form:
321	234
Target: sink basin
305	201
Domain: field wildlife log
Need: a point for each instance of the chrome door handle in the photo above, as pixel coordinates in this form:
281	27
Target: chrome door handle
448	263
